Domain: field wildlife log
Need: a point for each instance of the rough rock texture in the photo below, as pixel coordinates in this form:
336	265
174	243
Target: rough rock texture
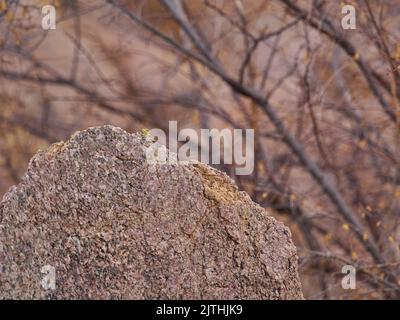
114	226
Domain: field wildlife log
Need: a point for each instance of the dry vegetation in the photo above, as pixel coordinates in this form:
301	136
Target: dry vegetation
324	103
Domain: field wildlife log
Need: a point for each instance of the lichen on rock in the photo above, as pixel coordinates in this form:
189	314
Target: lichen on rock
114	226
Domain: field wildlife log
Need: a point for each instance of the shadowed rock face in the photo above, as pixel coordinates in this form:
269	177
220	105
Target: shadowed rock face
114	226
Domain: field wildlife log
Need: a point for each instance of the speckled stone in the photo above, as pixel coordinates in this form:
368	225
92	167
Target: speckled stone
115	226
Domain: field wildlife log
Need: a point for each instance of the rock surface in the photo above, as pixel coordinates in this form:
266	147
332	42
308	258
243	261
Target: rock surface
113	225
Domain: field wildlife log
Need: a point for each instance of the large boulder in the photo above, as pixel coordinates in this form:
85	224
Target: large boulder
105	223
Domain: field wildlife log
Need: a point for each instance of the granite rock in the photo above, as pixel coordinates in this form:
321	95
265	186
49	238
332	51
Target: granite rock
92	219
